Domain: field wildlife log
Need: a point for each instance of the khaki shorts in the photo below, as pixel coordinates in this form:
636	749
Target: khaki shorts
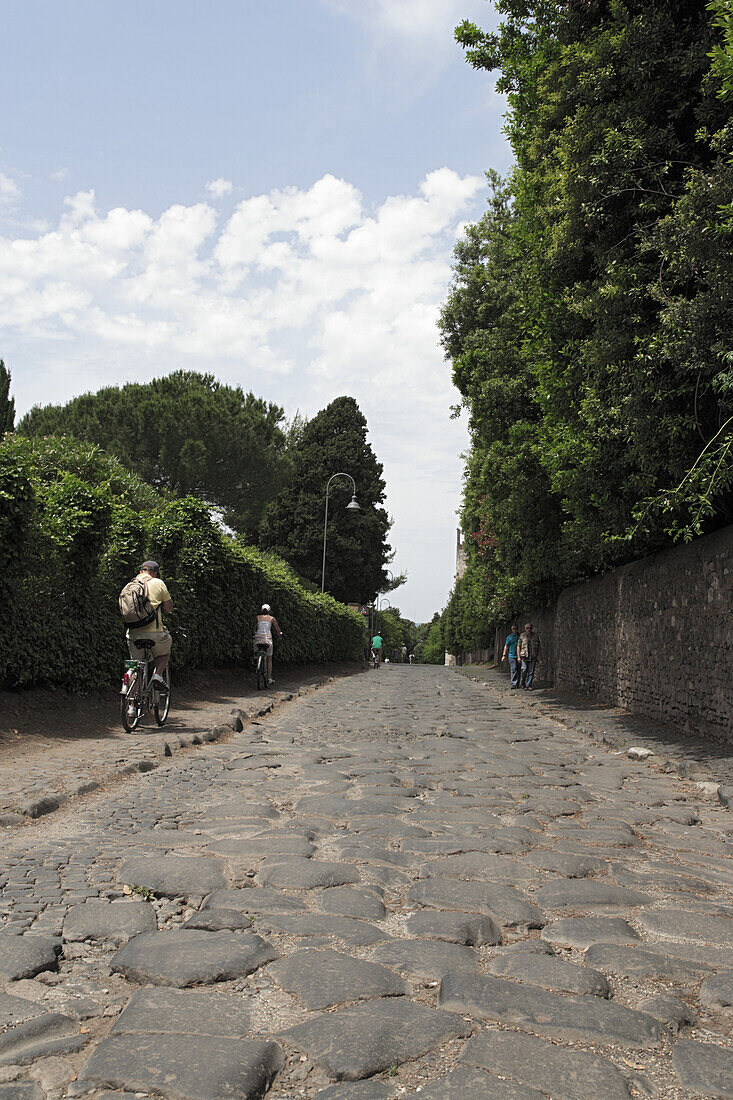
162	639
256	644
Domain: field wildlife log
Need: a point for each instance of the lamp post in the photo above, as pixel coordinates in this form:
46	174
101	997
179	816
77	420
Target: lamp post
352	506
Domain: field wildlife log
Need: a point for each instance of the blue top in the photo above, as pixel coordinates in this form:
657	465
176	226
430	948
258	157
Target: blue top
511	642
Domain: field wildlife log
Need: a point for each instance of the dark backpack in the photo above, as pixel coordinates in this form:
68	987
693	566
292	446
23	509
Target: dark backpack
135	606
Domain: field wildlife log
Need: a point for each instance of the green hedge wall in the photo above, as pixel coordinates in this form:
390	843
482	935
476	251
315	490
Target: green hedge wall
75	524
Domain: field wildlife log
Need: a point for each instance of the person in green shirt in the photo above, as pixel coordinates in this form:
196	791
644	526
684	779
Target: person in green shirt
377	648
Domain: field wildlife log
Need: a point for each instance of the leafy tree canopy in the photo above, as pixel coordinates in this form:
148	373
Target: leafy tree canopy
186	433
334	441
589	321
7	403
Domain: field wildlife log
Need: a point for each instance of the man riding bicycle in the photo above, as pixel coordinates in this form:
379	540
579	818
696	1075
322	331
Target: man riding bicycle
264	627
159	598
377	648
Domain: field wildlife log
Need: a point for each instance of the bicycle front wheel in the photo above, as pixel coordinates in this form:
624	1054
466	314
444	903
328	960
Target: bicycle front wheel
130	709
162	703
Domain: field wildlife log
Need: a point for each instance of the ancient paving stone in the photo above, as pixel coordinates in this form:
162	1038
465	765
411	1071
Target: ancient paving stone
25	956
20	1090
184	1012
254	900
14	1010
470	1083
590	1019
344	901
550	973
425	959
257	848
189	958
358	1042
471	929
355	932
484	866
637	962
325	978
584	893
204	1068
173	876
704	1068
560	1071
356	1090
103	920
671	1011
506	905
219	920
585	931
564	863
717	991
677	924
295	873
39	1037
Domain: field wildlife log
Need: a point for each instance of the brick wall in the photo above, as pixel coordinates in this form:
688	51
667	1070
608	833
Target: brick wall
654	637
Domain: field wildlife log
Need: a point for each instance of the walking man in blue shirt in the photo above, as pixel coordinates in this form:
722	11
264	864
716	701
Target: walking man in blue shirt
510	652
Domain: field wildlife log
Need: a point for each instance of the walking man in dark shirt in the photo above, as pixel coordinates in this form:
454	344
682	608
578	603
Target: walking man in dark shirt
530	652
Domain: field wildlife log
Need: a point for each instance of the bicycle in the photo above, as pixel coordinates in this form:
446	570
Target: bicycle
375	658
261	649
139	694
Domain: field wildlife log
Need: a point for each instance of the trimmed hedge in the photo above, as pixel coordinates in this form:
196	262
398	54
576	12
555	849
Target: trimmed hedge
75	524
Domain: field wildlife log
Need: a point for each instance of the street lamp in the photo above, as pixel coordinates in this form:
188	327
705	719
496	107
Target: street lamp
352	506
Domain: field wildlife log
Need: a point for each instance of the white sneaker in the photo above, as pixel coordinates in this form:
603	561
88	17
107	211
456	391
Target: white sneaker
270	682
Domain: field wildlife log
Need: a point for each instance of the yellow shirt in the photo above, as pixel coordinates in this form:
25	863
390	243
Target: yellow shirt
157	594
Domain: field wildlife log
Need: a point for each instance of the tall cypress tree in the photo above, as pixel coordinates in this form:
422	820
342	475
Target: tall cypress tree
334	441
7	403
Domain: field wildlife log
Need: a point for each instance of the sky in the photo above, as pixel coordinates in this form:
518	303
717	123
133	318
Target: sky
268	192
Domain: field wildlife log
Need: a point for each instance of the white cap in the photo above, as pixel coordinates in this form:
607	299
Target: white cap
265	607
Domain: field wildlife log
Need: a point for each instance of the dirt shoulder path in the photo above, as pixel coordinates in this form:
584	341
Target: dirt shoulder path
54	745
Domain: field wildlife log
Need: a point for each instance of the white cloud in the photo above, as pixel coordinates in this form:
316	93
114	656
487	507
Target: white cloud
9	191
426	20
219	187
59	175
303	294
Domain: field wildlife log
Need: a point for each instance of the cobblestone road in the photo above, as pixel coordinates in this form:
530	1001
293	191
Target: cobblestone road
395	886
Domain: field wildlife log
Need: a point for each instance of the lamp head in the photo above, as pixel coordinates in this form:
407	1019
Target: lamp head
353	505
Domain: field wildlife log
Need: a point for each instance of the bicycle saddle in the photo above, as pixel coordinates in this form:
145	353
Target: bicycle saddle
144	643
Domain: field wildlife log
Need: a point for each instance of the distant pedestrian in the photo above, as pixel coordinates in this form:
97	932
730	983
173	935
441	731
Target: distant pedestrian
404	653
510	654
530	652
395	655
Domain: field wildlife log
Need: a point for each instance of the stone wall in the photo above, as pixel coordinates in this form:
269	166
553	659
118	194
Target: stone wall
654	637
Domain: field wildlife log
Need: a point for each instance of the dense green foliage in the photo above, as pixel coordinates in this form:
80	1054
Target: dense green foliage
431	648
74	526
334	441
589	324
7	403
396	630
187	433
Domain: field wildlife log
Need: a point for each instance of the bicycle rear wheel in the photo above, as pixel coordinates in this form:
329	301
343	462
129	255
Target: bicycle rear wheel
162	703
130	708
261	673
